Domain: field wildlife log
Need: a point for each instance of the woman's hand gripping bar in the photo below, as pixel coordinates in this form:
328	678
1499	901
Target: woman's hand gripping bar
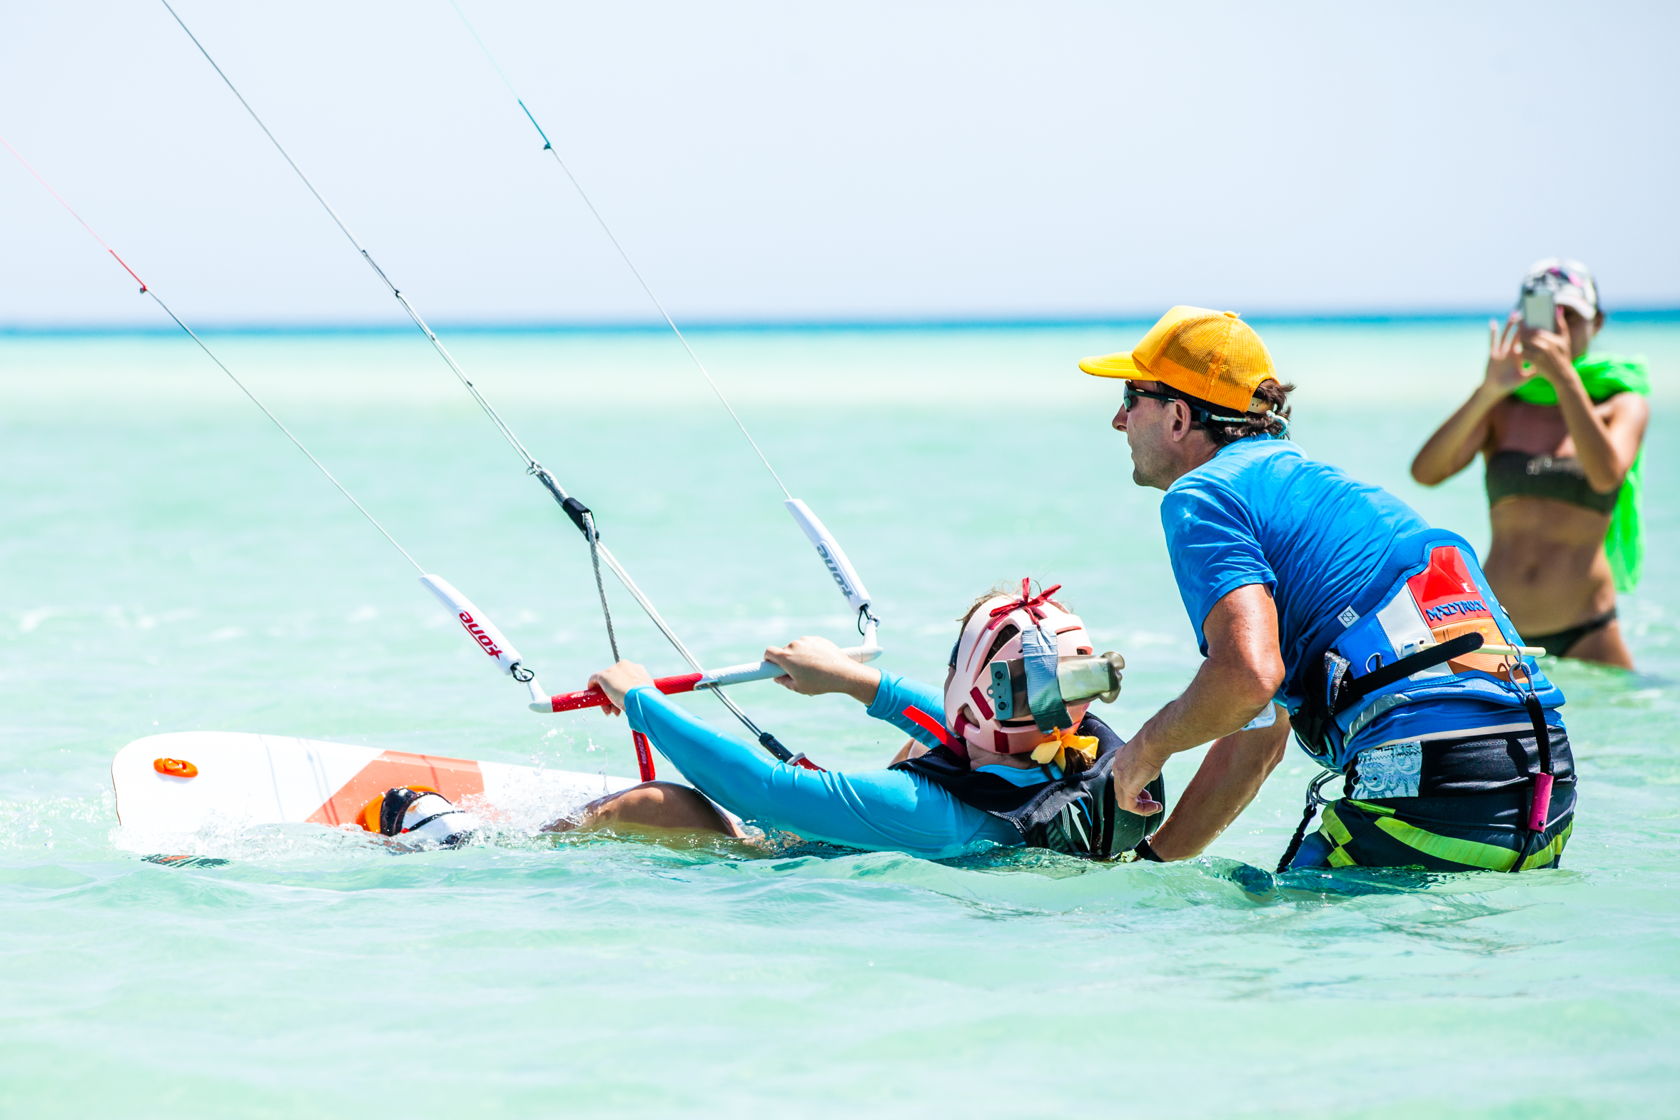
690	682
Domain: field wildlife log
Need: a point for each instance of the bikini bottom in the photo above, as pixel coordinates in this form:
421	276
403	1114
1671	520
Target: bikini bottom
1558	644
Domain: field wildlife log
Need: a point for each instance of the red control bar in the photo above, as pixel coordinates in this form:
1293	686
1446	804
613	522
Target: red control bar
595	698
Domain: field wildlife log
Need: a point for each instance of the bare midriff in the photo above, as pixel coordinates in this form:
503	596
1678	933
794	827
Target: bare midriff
1546	561
1547	564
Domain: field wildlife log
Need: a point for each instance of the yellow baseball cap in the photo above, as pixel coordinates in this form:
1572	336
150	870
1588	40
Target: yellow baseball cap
1213	355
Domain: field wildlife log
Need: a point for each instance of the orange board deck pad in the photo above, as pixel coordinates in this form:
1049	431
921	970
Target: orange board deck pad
186	782
455	778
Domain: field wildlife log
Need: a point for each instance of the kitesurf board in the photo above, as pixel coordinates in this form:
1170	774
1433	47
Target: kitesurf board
180	782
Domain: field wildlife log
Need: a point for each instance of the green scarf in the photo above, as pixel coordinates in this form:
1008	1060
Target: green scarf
1603	378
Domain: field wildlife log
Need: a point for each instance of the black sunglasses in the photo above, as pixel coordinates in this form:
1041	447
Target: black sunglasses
1130	397
1199	416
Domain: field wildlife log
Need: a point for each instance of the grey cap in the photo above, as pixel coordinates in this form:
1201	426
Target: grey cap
1571	285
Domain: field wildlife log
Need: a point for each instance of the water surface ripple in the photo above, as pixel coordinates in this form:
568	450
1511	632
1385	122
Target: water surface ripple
171	565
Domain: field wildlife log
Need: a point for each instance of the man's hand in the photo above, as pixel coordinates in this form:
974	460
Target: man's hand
1134	769
1243	671
1230	775
618	679
815	666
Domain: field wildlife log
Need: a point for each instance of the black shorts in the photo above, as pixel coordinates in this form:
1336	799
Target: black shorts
1470	811
1472	832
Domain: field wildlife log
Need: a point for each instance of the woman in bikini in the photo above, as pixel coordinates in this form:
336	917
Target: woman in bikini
1561	435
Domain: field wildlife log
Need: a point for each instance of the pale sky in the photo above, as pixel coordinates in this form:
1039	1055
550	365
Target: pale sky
783	160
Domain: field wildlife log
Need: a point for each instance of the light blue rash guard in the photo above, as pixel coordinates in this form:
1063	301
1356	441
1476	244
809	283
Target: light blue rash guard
877	810
1261	512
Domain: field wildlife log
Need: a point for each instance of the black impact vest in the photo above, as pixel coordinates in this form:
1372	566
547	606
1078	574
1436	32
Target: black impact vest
1074	814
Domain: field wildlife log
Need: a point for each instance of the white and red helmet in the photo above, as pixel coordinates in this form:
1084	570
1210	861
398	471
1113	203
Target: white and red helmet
1031	628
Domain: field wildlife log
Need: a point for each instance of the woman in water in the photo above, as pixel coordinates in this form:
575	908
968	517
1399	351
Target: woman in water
1005	757
1561	435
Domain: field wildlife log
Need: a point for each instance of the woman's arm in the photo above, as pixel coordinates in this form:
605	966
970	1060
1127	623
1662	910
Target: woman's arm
815	667
880	810
1606	446
913	708
1469	429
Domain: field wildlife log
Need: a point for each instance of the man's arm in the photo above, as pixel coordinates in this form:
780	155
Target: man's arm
1230	775
1242	672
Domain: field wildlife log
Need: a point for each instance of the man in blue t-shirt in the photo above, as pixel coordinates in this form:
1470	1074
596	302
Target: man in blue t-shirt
1375	633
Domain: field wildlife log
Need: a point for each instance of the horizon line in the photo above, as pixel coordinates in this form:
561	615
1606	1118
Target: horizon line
1366	317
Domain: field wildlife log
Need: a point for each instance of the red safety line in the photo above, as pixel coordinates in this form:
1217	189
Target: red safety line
29	167
644	755
932	726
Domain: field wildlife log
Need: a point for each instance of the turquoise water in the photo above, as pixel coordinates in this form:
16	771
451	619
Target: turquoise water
170	563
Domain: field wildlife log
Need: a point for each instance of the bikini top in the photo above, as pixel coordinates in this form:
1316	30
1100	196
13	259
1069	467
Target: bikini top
1516	474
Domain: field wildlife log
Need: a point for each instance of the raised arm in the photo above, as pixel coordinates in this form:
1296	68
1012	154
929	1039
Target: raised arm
1606	445
815	666
883	810
1468	429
